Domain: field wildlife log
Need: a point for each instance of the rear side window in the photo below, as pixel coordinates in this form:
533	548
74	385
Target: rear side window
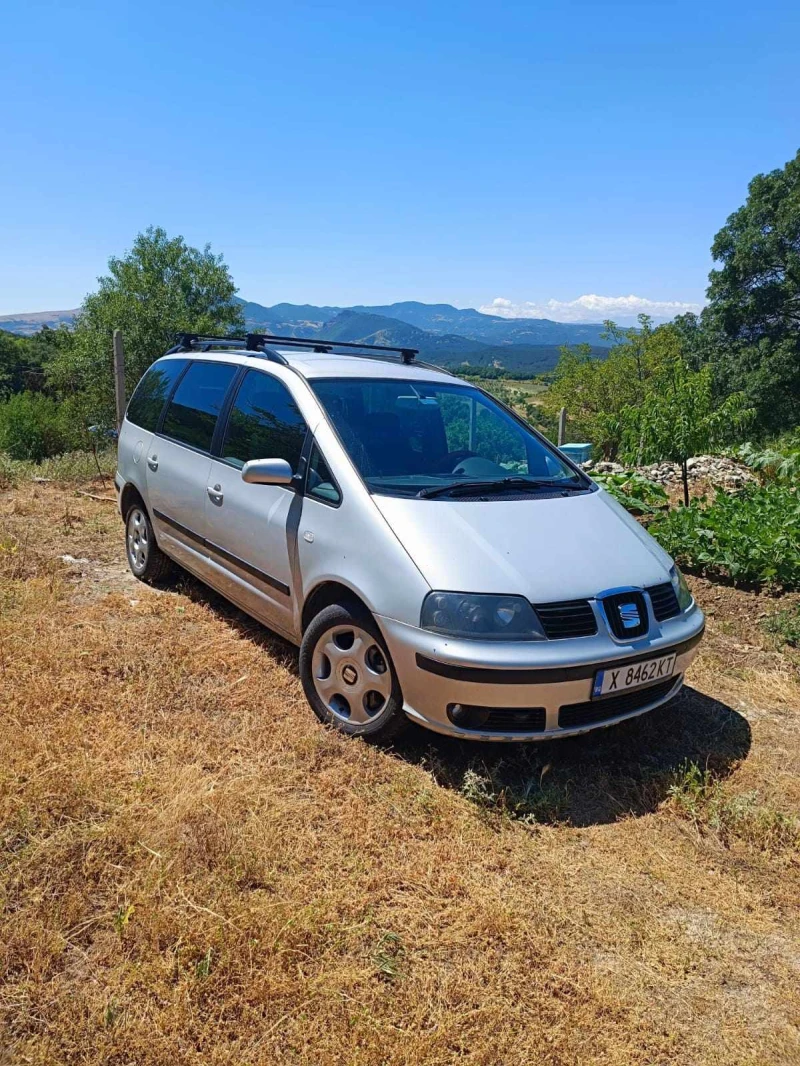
264	423
194	409
151	393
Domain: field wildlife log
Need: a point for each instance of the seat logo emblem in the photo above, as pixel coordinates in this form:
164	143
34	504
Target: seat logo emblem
350	674
629	615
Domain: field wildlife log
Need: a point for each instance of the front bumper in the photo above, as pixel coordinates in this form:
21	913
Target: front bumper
436	671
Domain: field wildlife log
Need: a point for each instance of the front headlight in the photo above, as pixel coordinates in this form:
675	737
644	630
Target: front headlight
481	617
681	588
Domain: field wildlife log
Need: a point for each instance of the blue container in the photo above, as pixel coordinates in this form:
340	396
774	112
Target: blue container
578	453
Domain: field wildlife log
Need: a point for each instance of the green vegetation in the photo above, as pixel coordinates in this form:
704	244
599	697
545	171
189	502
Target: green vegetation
699	796
32	426
77	466
749	332
752	536
161	286
56	384
648	401
636	493
781	459
785	626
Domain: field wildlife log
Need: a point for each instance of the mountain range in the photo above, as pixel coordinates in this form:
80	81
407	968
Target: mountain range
444	334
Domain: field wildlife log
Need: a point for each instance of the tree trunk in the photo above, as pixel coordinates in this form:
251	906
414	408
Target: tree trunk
685	474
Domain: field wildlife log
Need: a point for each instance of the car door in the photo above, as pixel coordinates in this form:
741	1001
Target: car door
251	529
179	461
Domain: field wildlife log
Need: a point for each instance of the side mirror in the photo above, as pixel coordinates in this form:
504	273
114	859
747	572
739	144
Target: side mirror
267	472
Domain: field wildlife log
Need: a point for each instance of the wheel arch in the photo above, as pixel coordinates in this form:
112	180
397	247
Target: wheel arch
324	595
128	497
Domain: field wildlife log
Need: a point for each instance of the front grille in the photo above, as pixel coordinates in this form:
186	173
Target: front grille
575	714
620	609
498	719
664	601
570	618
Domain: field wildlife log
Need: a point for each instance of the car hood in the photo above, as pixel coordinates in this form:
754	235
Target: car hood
546	550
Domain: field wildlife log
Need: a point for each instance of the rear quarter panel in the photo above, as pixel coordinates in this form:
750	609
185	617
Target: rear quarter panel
132	456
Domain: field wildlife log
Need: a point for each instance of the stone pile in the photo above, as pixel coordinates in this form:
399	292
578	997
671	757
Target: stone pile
716	469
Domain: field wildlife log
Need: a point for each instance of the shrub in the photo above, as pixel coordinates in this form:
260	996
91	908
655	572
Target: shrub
779	460
752	536
638	494
31	427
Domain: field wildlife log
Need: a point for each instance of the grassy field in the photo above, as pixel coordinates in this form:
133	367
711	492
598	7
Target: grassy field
523	396
193	870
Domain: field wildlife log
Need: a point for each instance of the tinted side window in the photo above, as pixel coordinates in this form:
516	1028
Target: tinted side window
320	482
264	423
194	409
151	393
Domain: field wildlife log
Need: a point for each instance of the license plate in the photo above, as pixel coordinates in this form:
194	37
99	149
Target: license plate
619	678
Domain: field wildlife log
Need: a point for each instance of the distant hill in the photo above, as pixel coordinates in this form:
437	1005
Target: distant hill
379	329
443	334
32	322
434	318
490	329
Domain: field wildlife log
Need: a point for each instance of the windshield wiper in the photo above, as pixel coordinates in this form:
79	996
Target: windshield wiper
470	488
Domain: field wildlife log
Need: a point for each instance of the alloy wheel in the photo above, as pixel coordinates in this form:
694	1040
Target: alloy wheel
351	674
138	540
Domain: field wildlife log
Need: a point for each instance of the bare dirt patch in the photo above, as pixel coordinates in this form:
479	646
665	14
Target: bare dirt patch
193	870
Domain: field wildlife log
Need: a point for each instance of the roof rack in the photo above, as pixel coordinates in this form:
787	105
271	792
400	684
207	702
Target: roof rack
258	342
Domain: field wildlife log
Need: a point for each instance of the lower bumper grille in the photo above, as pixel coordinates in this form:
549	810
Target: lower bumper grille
498	719
576	714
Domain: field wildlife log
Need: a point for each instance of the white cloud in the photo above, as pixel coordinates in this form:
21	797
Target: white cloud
590	308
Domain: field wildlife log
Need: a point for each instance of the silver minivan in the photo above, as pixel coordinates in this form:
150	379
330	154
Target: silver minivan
435	558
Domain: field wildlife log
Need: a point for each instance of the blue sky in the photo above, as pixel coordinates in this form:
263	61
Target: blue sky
366	152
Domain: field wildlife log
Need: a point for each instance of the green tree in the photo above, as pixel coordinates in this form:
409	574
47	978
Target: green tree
597	392
678	417
753	317
160	287
21	362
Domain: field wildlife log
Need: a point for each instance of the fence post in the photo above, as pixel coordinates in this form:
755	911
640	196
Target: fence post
562	426
119	376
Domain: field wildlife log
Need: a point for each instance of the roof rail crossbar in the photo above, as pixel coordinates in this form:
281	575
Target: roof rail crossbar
321	344
255	342
184	342
187	342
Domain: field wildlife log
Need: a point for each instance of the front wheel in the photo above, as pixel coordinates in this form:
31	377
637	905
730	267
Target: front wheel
348	676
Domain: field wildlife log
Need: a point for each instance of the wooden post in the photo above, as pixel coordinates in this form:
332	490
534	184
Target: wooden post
562	426
119	376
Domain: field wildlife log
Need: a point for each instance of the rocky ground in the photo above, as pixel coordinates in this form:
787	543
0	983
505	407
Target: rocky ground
717	470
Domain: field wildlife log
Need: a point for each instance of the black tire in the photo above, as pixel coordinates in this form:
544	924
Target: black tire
146	560
352	707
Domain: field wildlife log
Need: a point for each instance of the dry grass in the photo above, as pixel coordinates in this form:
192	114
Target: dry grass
193	870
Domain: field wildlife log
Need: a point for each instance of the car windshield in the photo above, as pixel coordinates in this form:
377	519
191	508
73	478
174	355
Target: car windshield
410	437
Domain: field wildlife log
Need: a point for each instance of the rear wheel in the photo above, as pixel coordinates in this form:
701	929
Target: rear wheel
145	558
348	676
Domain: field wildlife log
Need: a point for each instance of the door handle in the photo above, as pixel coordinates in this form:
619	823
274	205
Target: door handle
152	462
215	493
